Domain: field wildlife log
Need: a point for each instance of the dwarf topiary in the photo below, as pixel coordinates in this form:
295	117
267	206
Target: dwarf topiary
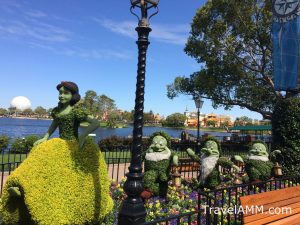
209	161
258	166
63	180
158	160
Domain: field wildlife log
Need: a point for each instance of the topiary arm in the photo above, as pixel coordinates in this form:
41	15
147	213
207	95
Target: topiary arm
224	162
192	154
175	160
50	131
93	125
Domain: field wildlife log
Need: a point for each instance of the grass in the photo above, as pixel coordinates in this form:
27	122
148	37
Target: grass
9	162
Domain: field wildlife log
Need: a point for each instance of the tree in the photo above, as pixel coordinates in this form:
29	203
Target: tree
128	116
3	111
90	101
232	40
27	112
175	120
112	118
105	106
40	111
211	123
245	120
148	117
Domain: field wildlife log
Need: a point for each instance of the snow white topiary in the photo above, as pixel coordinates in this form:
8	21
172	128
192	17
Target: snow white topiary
64	180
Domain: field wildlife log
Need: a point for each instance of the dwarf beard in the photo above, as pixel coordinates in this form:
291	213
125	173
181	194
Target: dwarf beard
208	163
261	158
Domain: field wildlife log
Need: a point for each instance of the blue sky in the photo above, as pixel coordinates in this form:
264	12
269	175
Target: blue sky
93	44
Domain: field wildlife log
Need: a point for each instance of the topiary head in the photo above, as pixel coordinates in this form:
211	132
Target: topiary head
211	148
163	134
159	144
258	149
68	92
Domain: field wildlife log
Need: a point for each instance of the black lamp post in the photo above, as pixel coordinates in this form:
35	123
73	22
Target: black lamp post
199	103
132	211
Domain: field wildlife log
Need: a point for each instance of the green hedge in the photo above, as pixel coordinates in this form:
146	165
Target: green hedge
4	141
286	134
23	145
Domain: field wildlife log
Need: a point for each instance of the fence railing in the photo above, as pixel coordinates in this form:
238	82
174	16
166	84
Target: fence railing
117	159
222	206
219	206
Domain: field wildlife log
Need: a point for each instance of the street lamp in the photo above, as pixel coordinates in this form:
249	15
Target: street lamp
199	103
132	211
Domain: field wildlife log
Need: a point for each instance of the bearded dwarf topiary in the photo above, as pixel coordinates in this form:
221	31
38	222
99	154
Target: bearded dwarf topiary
158	160
258	166
209	161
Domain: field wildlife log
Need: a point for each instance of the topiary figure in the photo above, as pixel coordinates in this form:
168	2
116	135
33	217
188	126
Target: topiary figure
210	161
258	166
158	160
64	180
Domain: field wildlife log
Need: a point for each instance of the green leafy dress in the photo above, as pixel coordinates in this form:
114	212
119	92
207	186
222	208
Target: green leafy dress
60	184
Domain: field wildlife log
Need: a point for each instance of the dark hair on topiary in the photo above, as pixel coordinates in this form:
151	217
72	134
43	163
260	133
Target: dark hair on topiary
73	88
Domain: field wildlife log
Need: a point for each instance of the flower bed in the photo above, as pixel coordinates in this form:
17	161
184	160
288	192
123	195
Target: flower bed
188	199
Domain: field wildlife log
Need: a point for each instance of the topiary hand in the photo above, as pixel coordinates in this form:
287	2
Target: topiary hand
39	141
236	168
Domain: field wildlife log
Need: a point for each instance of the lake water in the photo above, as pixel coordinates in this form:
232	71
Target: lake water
23	127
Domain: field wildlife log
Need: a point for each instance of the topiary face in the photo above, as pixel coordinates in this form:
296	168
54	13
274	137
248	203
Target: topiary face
159	144
258	149
210	148
65	95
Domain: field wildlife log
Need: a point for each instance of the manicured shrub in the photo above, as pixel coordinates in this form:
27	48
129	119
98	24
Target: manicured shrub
286	134
62	185
23	145
4	141
110	143
286	122
18	145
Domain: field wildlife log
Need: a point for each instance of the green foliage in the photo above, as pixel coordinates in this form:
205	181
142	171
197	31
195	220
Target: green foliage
156	176
232	39
40	111
174	120
286	122
161	133
3	111
4	141
109	143
77	195
23	145
258	170
286	134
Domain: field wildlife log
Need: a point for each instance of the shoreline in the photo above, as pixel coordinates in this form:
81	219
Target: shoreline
24	117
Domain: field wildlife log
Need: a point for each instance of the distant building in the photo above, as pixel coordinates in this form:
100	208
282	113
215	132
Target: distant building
207	120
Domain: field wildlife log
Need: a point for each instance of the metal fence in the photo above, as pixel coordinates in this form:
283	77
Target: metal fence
222	206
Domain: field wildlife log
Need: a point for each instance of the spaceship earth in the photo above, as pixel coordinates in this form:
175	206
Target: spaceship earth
20	103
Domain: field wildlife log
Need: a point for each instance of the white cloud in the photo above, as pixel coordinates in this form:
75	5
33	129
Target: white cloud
85	53
37	31
35	13
172	34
